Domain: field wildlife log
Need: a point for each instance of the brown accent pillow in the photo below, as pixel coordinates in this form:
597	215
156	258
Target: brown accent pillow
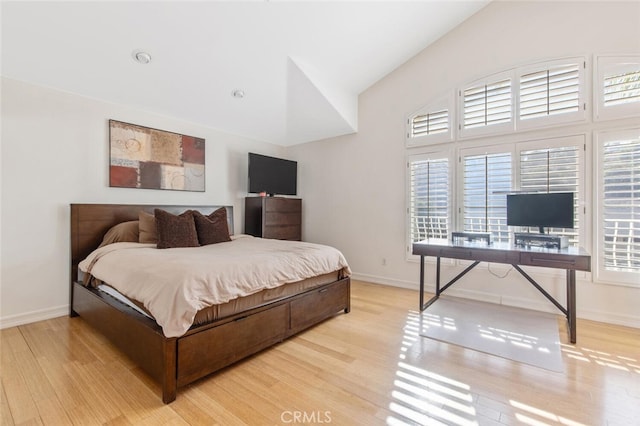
212	229
176	231
148	230
126	232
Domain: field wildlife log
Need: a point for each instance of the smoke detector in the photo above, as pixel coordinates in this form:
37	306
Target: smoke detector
141	56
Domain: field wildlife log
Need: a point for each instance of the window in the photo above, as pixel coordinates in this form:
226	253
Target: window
429	207
617	87
487	106
488	174
486	181
539	95
618	219
490	116
555	167
432	123
551	92
622	88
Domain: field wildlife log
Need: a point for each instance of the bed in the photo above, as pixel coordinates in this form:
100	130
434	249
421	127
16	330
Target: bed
210	344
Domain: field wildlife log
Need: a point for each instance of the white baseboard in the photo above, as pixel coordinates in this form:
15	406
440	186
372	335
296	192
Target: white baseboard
610	318
411	285
539	305
34	316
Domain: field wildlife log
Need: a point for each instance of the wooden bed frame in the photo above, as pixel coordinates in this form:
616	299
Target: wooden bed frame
177	361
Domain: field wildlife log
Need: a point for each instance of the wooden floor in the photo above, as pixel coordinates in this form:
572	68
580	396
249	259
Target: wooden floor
367	367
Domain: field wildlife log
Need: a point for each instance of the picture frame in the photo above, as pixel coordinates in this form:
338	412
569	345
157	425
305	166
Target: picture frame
147	158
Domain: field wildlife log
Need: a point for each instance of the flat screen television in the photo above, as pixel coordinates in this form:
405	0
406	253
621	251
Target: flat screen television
550	210
274	176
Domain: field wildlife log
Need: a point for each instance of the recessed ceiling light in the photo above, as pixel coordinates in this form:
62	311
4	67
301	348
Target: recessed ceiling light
238	93
141	57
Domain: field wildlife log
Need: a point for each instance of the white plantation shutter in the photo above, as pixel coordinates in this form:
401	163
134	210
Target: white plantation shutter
429	206
617	87
551	93
554	170
430	123
619	198
622	88
487	104
548	92
487	178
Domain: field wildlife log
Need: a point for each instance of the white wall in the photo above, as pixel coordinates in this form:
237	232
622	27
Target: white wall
55	151
354	186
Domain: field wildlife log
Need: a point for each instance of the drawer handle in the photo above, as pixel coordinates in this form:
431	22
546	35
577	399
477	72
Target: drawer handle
537	259
324	290
241	318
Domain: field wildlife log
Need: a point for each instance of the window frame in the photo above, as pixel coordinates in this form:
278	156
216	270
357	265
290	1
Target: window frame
557	119
602	63
602	275
426	154
474	151
579	141
445	101
485	130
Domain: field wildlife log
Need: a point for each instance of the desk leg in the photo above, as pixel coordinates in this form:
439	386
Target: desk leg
571	304
421	282
438	276
424	305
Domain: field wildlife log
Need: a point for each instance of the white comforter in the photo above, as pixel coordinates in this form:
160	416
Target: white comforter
173	284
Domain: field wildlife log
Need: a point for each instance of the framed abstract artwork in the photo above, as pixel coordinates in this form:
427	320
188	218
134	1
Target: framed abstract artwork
141	157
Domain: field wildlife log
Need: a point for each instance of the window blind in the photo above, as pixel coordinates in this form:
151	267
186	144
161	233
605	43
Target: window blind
429	198
620	220
487	104
430	123
549	92
553	170
487	178
622	88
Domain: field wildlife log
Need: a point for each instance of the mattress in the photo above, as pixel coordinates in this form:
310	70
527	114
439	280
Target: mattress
235	306
175	285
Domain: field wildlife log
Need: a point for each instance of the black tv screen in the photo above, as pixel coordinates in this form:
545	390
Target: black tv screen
552	210
272	175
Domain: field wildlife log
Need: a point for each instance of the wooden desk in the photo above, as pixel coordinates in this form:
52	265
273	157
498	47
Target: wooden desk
570	259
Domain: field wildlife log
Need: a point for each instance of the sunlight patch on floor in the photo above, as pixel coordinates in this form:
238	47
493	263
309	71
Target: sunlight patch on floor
602	358
514	338
422	396
545	415
437	321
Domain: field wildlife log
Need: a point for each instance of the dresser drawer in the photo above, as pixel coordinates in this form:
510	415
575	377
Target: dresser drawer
292	205
288	232
556	260
282	218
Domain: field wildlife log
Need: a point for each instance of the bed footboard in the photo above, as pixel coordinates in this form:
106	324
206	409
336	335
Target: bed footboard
140	338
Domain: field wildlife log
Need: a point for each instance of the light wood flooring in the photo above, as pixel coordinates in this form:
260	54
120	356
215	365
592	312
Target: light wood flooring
368	367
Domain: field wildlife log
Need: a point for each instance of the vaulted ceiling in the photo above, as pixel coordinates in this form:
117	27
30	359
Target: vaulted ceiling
301	65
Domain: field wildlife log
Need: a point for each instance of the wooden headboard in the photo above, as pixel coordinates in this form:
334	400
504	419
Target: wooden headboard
89	223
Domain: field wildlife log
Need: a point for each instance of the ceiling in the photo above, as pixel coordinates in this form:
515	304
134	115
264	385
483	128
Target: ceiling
301	65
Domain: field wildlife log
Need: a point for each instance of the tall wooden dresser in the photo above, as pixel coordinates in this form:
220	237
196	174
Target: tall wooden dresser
273	217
